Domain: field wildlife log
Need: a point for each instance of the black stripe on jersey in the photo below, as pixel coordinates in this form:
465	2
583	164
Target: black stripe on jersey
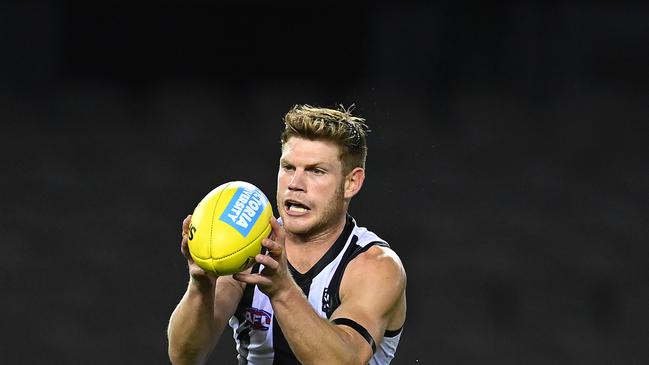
333	290
243	332
283	353
248	292
302	280
360	329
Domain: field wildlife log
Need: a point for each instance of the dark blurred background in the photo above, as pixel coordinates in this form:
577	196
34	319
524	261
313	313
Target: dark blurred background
507	165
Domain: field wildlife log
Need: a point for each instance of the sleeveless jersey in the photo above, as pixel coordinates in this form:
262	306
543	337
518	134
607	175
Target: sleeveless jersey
257	334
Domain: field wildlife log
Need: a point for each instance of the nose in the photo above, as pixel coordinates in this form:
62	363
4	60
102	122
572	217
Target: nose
297	181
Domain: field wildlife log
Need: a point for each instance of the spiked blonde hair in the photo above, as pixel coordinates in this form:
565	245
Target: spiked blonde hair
335	125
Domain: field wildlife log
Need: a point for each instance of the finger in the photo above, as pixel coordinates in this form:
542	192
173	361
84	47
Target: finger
253	279
184	249
186	222
273	247
267	261
277	232
184	246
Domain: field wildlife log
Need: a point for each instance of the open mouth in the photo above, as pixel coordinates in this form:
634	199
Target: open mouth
295	206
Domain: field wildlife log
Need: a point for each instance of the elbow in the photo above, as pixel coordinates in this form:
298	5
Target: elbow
175	356
173	350
184	355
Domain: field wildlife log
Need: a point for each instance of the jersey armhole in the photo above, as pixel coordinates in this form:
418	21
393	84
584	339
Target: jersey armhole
392	333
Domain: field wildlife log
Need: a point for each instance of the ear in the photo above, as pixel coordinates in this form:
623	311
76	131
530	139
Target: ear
354	182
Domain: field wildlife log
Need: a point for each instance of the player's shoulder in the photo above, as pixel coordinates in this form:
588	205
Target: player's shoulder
377	259
376	252
375	275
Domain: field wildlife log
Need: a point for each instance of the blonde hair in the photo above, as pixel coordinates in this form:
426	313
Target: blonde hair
336	125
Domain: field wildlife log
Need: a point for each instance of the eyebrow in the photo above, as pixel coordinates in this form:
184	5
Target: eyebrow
324	165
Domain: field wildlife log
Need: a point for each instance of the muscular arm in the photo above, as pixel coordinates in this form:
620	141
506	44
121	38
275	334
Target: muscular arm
197	322
199	319
372	295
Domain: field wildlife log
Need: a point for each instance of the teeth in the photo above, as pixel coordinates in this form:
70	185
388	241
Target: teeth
295	208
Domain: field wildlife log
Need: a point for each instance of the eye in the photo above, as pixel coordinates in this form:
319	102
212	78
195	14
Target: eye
317	171
287	167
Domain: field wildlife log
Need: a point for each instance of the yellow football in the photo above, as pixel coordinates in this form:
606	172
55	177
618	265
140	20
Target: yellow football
228	226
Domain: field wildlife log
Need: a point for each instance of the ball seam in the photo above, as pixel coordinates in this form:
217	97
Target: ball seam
242	248
212	219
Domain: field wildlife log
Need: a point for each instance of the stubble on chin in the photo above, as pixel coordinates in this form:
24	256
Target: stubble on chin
327	220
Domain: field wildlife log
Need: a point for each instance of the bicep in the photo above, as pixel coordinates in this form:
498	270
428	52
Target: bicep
370	292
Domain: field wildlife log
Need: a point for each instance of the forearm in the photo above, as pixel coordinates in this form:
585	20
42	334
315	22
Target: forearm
314	340
193	330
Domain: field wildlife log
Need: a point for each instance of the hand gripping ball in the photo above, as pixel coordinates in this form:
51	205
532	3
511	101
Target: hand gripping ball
228	226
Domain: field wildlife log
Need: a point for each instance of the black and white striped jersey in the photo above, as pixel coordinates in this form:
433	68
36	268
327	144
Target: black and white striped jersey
259	338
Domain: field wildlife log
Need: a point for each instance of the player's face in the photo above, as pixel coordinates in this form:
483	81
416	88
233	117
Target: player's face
310	184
